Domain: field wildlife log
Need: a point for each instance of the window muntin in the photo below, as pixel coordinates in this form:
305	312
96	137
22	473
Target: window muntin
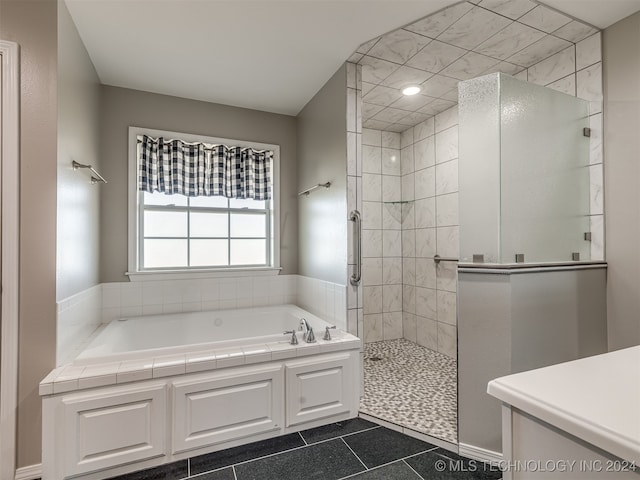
178	232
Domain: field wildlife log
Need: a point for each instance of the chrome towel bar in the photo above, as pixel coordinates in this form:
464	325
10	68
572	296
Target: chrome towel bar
95	176
311	189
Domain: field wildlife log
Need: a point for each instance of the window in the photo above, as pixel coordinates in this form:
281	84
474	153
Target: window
172	233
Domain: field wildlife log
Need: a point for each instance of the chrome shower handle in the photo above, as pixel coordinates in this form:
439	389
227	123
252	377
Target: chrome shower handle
354	217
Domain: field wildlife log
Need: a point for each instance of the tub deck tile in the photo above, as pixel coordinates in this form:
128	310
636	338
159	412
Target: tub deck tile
134	371
201	361
230	357
98	375
169	366
282	350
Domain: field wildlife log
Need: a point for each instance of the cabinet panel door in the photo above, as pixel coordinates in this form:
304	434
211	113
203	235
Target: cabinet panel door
121	425
320	388
220	407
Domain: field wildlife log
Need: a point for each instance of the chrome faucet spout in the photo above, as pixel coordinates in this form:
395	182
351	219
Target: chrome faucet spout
304	326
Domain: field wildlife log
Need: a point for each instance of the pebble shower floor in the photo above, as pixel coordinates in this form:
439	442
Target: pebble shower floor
412	386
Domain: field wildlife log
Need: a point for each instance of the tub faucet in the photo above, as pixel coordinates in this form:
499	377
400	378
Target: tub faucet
304	326
307	331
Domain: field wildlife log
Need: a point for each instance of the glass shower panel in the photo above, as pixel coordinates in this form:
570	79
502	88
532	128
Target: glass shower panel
524	172
544	175
479	168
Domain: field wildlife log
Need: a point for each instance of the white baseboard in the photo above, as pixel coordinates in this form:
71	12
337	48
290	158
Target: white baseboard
32	472
477	453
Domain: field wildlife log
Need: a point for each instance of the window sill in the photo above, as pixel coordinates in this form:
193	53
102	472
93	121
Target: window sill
193	274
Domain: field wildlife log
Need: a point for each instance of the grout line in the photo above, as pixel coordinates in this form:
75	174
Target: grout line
412	469
233	469
354	453
303	439
391	462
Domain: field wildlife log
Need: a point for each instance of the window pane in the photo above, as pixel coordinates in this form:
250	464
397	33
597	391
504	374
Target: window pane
212	202
247	203
209	224
165	253
207	253
157	198
248	252
248	225
165	224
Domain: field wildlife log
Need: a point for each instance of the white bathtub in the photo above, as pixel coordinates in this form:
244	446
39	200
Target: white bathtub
154	335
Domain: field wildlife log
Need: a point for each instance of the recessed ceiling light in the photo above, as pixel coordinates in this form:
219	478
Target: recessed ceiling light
411	90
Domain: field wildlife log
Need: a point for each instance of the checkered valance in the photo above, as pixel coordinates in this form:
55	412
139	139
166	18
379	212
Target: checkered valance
198	169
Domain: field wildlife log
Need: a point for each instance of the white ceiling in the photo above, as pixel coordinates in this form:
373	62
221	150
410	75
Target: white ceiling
261	54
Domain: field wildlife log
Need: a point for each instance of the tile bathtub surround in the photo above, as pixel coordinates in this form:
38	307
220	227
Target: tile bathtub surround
354	448
80	315
77	318
78	377
411	386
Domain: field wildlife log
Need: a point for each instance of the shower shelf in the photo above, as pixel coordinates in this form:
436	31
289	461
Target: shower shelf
399	202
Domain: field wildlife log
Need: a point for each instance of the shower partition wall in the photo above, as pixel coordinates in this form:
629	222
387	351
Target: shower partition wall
528	294
524	173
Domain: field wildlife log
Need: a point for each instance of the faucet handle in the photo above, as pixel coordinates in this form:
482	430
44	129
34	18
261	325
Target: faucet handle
311	337
294	339
327	335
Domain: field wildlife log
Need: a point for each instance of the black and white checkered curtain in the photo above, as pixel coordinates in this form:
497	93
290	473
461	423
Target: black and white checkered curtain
197	170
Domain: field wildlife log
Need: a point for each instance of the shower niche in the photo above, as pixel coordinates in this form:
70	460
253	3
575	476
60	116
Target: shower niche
523	173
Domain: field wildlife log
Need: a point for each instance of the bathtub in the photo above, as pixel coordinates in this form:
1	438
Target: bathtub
154	335
147	391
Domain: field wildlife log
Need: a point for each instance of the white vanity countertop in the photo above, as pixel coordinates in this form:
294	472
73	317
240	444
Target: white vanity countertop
596	399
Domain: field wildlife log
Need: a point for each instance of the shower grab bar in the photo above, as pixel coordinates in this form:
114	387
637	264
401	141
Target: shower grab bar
437	258
95	176
354	217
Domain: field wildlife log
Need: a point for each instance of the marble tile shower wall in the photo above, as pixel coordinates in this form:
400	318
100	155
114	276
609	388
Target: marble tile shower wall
577	71
429	159
382	235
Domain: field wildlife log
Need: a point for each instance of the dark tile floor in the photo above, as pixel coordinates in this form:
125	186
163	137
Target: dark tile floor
355	449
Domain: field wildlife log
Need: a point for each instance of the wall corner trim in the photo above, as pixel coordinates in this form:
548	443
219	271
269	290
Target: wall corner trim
10	111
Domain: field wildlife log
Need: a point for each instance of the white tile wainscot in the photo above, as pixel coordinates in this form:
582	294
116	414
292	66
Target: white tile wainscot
137	414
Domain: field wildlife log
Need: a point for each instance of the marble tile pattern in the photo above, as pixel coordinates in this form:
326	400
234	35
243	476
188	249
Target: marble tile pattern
467	40
433	229
411	386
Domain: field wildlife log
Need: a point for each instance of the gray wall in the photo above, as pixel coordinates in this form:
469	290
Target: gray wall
121	108
513	323
78	236
622	179
322	157
33	26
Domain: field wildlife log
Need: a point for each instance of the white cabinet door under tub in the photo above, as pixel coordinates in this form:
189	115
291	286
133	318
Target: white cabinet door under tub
219	407
321	388
98	429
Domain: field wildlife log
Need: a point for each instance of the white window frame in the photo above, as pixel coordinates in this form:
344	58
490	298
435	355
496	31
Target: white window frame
135	273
